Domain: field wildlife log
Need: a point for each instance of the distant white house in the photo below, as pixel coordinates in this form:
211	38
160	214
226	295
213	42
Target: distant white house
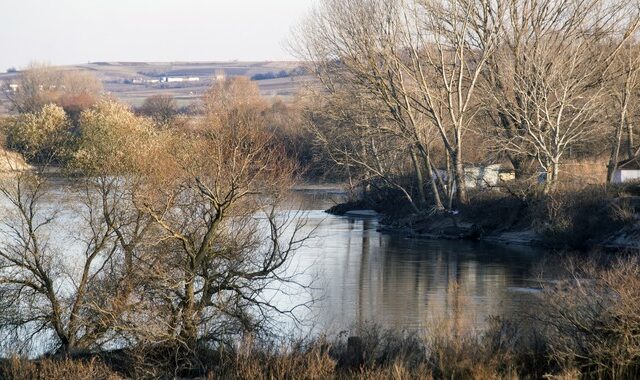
13	87
484	176
627	170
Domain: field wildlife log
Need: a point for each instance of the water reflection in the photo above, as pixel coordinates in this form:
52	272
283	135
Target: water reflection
365	276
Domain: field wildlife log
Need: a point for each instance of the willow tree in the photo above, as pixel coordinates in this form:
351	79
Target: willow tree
70	253
43	136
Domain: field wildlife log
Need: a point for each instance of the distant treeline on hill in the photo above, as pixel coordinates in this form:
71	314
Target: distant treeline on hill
298	71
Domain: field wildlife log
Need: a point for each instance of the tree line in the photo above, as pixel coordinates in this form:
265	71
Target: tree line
427	87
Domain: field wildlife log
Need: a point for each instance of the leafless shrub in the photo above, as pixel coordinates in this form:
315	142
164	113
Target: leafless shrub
591	318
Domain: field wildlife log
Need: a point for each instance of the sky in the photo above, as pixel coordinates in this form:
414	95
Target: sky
60	32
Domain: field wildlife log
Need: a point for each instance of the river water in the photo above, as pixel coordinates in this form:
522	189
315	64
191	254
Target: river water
363	276
358	275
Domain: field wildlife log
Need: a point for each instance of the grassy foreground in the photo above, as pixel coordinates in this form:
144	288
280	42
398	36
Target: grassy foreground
585	325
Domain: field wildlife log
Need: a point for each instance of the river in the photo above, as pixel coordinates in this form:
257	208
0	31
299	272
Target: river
361	275
358	275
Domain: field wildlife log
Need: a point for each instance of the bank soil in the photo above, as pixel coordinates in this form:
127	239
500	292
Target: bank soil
586	219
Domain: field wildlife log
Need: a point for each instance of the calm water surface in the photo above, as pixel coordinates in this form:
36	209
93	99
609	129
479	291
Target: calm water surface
361	275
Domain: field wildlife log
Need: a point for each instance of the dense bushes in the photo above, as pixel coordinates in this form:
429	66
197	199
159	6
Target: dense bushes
43	136
567	218
581	218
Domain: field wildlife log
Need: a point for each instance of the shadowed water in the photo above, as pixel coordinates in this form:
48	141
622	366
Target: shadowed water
361	275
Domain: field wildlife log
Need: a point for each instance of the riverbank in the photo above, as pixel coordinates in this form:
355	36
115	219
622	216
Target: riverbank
590	218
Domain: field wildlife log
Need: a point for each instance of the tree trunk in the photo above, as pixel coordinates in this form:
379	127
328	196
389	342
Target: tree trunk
630	150
459	180
437	202
614	157
189	332
422	197
518	161
622	123
451	186
551	181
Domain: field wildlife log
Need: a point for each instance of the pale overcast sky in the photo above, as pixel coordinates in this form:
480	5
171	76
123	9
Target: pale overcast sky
79	31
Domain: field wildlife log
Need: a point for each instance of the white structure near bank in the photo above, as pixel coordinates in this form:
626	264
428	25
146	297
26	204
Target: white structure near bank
486	176
483	176
627	170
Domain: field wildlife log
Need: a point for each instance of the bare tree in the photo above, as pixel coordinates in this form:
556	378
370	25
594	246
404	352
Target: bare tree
35	88
353	134
624	88
161	108
422	60
348	43
46	287
68	263
549	75
448	56
41	84
220	242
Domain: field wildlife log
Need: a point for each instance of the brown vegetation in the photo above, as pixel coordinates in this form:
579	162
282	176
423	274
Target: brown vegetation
584	326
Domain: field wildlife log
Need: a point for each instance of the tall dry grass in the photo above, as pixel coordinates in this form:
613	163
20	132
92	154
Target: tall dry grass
49	369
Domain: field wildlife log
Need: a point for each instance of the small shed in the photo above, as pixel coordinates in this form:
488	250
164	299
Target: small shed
488	175
627	170
483	176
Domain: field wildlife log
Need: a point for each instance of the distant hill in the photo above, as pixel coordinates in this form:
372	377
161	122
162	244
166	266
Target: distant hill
132	82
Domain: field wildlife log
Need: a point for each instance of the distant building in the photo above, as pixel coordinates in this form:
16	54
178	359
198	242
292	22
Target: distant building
627	170
484	176
13	87
193	79
172	79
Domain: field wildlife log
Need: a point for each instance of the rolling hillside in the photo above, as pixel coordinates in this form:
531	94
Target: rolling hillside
132	82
